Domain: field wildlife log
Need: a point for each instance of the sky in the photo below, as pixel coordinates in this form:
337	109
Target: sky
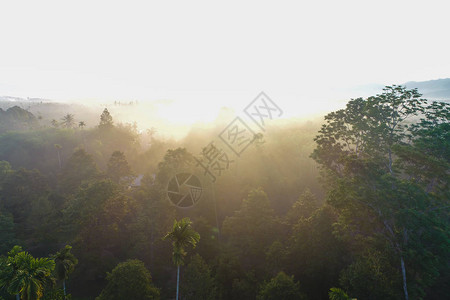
202	55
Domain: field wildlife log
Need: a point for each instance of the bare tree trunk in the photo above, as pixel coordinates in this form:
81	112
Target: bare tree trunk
59	159
178	280
151	246
64	286
390	161
405	289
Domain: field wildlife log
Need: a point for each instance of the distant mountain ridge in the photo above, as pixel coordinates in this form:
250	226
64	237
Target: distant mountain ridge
438	89
16	118
435	90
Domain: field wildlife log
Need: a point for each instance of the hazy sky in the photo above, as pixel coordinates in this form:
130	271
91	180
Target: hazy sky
218	53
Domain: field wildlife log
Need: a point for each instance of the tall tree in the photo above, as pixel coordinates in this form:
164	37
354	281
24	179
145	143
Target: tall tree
65	264
106	120
118	168
68	121
174	161
371	185
182	235
25	275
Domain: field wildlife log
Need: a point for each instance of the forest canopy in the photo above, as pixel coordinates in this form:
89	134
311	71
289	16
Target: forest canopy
355	206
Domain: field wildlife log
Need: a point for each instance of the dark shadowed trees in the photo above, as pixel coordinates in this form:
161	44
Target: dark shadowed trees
129	280
118	168
386	182
281	286
198	282
79	168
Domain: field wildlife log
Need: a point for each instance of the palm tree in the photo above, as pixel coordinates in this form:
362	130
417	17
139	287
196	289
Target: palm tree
22	274
182	235
65	264
55	123
81	124
68	121
8	271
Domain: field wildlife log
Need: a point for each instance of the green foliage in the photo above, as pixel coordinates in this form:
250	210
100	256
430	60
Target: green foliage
68	121
36	149
208	247
100	215
276	257
315	254
252	229
337	294
281	286
24	196
303	208
245	287
380	170
228	269
20	190
106	120
5	170
16	118
384	161
372	276
56	294
65	263
7	233
182	236
23	274
129	280
174	161
198	282
79	168
118	168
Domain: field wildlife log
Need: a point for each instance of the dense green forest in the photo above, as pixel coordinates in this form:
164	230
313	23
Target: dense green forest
352	206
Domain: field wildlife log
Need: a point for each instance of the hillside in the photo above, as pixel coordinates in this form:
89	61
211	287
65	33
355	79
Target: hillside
438	89
16	118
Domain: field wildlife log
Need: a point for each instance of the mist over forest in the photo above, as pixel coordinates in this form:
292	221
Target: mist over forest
349	205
